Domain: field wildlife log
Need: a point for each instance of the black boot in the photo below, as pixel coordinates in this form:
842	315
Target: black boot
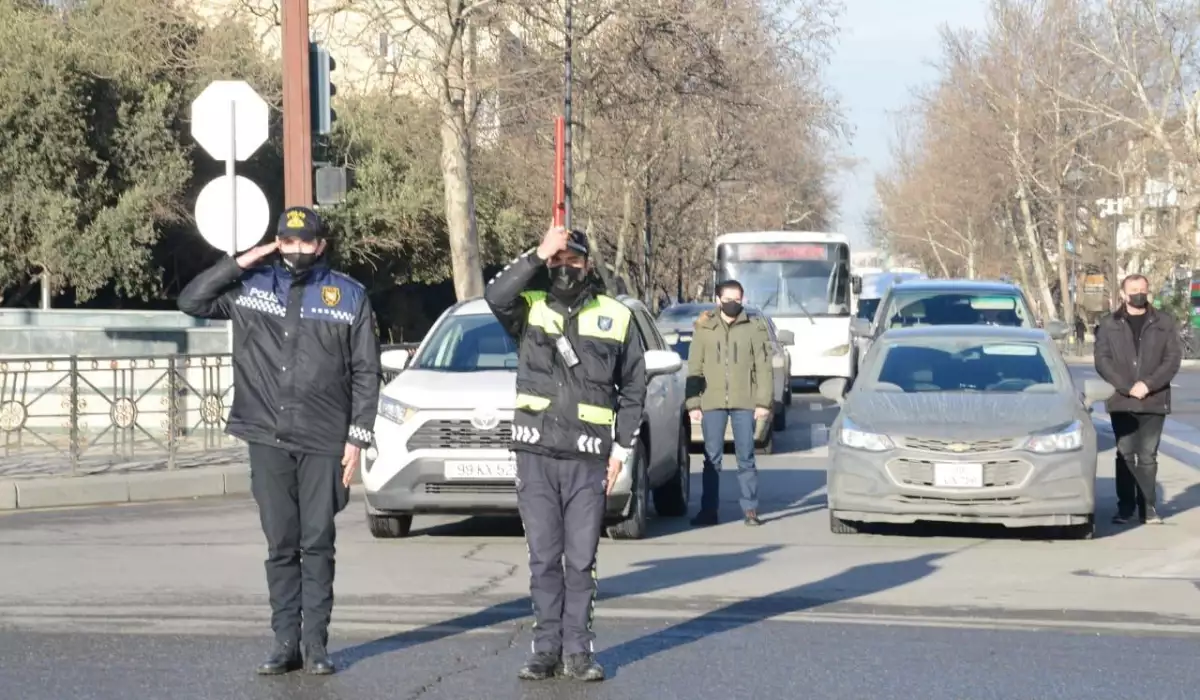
540	666
705	518
583	667
285	657
317	660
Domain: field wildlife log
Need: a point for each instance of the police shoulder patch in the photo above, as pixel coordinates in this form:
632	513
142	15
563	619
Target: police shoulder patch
605	323
331	295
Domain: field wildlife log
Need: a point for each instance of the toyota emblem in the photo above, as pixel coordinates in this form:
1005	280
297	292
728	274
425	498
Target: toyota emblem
485	421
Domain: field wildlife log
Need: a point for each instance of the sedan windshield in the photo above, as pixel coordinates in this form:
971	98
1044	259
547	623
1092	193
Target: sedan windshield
468	344
965	366
941	308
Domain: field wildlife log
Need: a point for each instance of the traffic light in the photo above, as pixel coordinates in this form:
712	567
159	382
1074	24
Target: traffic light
321	88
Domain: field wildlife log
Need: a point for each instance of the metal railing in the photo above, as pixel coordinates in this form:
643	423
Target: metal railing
88	414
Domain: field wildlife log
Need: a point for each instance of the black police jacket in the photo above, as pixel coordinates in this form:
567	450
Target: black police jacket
1154	360
305	357
570	409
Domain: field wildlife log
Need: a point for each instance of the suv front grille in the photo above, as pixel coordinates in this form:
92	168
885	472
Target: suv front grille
996	474
959	446
460	434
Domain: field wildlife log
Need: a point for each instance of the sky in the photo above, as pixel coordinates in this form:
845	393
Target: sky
884	52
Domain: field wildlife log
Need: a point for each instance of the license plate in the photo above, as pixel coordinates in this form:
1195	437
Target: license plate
961	475
496	471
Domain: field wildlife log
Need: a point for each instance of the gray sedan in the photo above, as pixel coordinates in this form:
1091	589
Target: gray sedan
964	424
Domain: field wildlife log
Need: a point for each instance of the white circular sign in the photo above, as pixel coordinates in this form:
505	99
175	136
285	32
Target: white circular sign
228	106
214	214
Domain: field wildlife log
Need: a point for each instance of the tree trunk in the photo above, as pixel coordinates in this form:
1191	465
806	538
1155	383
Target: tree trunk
1064	273
456	177
1031	234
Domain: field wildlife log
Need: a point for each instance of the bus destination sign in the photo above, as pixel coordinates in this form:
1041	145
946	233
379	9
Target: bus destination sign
783	251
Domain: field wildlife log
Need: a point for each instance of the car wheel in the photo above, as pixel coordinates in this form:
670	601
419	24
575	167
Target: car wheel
779	423
841	527
389	526
634	526
671	499
1083	531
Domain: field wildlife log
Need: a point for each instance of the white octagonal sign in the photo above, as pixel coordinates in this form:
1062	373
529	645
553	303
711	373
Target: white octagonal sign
230	115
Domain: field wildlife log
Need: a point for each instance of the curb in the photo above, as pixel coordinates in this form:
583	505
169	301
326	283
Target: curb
110	489
137	487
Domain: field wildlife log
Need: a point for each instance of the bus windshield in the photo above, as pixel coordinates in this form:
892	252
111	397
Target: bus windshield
790	279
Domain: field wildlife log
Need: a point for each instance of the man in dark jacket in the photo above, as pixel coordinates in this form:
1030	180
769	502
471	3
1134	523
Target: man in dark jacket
1138	352
581	387
306	388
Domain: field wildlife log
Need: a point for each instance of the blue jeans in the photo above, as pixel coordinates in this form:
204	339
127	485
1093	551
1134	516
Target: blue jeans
712	423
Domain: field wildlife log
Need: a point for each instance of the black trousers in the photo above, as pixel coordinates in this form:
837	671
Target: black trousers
562	508
298	496
1138	435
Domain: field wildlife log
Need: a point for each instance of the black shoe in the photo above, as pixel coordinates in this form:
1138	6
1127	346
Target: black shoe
284	658
540	666
1121	518
583	667
317	660
704	518
752	518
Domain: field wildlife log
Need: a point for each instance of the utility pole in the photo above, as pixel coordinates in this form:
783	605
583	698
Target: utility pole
297	115
567	61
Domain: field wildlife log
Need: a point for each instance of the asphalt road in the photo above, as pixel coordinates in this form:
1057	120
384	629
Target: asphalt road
168	601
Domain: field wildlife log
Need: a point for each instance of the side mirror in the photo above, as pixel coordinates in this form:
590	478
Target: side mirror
394	360
856	284
1058	329
860	328
1096	390
662	362
834	389
786	337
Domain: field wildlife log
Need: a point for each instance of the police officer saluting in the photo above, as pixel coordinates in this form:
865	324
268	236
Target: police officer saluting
306	385
581	371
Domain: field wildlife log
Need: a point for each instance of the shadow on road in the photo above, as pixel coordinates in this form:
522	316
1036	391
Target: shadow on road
855	582
783	493
649	577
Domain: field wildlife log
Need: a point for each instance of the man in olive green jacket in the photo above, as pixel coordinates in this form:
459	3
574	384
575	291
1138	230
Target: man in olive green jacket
729	379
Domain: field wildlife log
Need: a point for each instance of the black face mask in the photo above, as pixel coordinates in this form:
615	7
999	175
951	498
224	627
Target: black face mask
731	308
1138	301
298	263
567	283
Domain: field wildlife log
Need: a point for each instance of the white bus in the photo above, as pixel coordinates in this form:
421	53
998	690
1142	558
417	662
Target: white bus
802	280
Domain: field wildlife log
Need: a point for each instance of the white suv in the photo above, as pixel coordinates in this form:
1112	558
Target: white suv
445	423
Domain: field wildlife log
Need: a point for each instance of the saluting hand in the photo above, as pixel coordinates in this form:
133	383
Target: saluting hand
257	253
554	241
349	463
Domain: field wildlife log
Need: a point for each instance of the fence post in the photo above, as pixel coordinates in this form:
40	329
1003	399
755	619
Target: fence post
172	410
73	415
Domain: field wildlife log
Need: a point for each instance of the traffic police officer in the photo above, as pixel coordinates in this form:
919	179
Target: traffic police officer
581	386
306	386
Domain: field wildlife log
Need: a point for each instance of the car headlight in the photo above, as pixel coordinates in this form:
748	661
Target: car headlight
394	410
1062	441
838	351
855	437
